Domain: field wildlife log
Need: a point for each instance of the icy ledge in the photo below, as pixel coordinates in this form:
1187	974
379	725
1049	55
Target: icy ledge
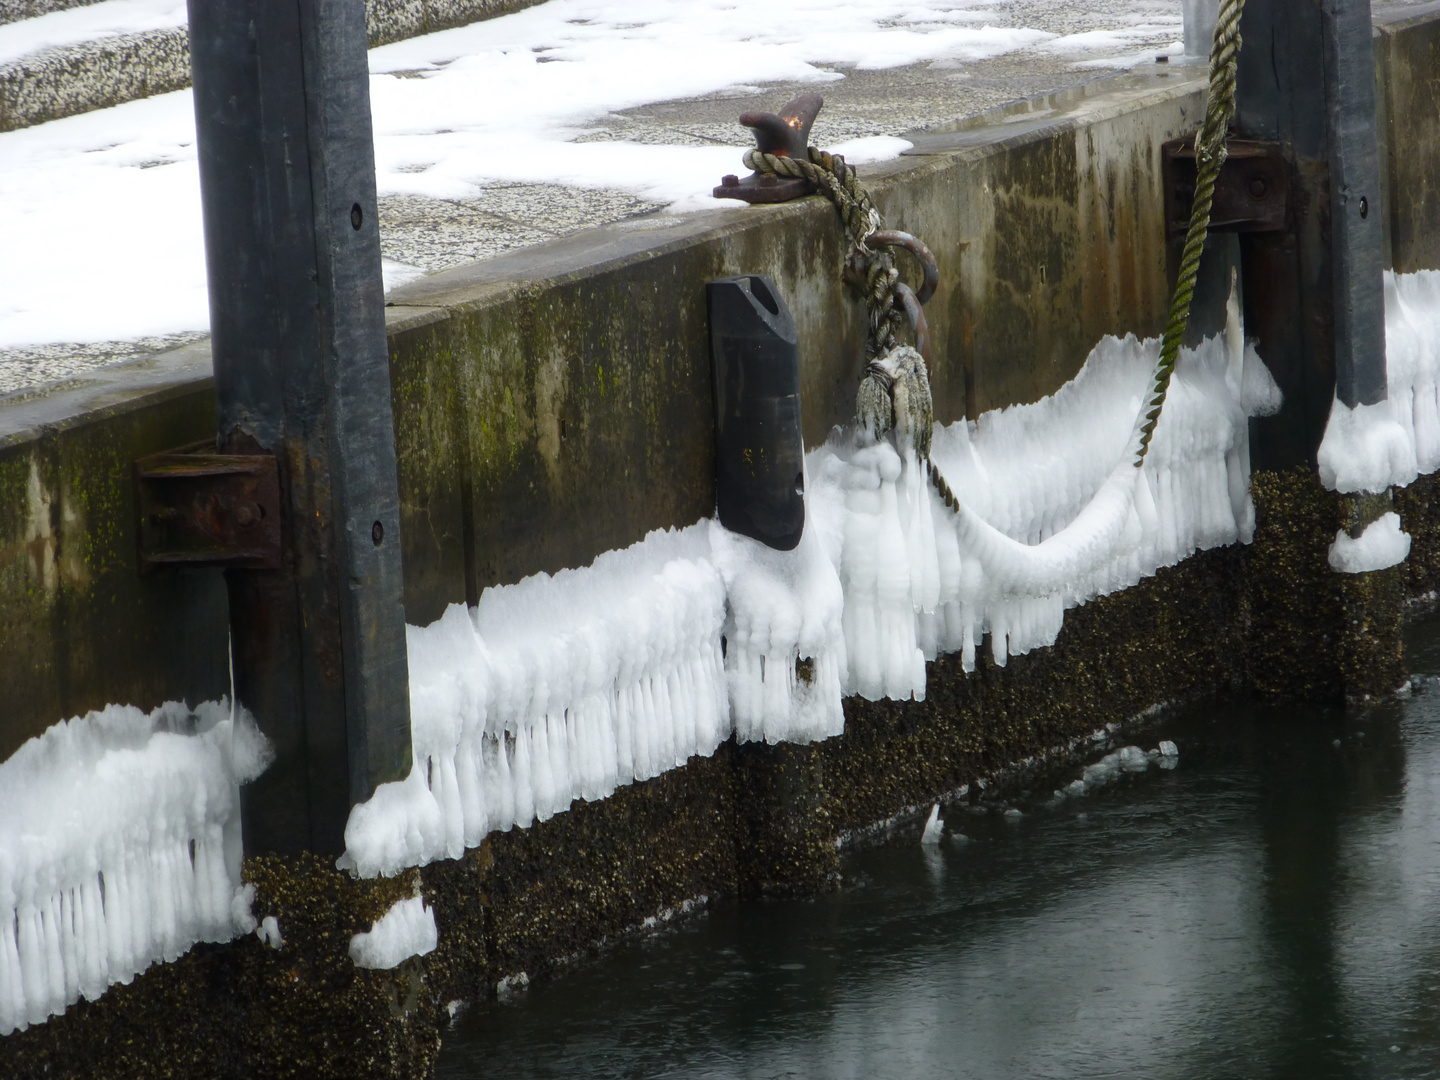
567	687
1374	447
119	846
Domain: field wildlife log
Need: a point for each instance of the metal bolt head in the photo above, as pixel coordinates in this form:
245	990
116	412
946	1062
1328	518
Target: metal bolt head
729	180
377	534
1364	207
245	515
1258	187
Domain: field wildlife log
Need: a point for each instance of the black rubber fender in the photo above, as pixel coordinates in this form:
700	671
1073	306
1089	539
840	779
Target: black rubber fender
759	446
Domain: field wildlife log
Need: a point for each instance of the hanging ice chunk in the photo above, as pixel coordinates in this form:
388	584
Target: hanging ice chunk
406	930
555	688
1373	447
934	827
119	846
1380	546
785	656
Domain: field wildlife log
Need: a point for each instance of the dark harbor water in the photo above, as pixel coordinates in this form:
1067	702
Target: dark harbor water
1269	908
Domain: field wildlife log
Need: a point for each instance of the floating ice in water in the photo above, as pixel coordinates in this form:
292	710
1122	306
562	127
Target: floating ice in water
934	827
1168	749
1381	545
1133	759
406	930
1012	815
119	846
1372	447
1126	759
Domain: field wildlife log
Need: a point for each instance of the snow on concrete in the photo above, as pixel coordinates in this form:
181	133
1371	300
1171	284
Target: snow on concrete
106	206
93	22
119	846
1383	544
1373	447
406	930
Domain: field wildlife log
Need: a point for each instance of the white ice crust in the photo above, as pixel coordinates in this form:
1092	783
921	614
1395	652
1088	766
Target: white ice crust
1373	447
566	687
1381	545
119	846
406	930
119	838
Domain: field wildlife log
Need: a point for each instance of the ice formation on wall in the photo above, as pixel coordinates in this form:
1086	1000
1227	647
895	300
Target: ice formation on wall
565	687
1052	510
1373	447
406	930
1380	546
119	846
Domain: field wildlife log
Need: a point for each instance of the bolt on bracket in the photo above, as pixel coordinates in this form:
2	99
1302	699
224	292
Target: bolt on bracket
784	134
198	508
1252	192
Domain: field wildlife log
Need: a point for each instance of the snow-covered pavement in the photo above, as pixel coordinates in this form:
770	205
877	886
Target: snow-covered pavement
514	131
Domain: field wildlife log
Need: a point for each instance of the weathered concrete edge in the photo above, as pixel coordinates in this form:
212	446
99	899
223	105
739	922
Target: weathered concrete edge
73	79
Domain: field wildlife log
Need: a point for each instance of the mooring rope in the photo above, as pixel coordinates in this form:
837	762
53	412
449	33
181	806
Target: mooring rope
1210	154
873	274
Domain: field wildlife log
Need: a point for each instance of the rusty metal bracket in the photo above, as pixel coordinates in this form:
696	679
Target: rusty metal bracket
1252	193
784	134
198	508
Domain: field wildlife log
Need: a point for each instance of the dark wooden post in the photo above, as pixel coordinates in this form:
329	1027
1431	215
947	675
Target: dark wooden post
1314	298
282	109
1314	293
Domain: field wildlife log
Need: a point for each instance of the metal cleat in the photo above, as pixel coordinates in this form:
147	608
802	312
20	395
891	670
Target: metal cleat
786	134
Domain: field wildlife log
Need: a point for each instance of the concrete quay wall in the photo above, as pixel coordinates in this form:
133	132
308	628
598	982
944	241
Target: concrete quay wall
555	403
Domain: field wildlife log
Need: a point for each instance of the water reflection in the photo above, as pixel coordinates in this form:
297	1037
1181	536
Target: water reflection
1270	908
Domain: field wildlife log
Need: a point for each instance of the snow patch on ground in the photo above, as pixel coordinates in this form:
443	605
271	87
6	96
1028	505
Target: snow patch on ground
93	22
497	101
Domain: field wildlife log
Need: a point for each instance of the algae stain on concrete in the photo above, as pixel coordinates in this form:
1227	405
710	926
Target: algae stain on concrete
40	540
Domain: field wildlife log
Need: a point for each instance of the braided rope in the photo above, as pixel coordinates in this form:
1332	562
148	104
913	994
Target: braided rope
873	274
1210	154
870	273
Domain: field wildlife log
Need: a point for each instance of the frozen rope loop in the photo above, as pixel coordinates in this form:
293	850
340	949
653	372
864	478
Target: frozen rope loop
895	395
1210	154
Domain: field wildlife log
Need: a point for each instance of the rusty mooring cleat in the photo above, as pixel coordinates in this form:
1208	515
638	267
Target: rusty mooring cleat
784	135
